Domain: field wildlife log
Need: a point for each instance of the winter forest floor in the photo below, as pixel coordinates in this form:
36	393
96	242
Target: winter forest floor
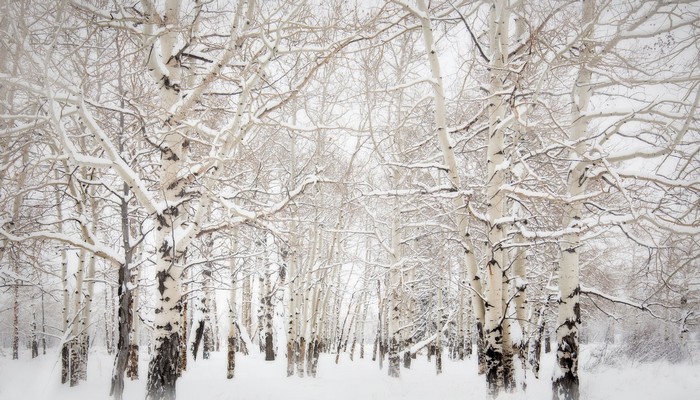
256	379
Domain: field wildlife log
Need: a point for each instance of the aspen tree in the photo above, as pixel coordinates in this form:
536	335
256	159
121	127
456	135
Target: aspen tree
232	339
565	382
448	153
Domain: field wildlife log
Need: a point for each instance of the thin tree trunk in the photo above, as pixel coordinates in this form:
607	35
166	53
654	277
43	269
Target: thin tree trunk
125	316
34	344
232	317
16	204
536	343
519	268
132	365
15	322
460	205
292	314
508	347
87	299
380	323
208	338
393	290
361	327
43	325
200	335
124	327
268	313
439	325
460	338
109	318
77	326
182	365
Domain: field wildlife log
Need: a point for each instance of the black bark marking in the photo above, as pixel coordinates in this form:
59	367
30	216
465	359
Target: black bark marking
161	276
165	248
162	370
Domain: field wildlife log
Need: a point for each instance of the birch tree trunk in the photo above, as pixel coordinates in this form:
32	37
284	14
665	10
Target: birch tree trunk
184	319
15	213
447	148
495	206
506	326
65	364
170	215
268	313
163	366
43	324
15	319
124	295
535	349
33	343
86	316
132	365
209	298
439	326
293	312
77	323
109	319
394	296
462	321
317	305
295	294
247	302
565	383
232	314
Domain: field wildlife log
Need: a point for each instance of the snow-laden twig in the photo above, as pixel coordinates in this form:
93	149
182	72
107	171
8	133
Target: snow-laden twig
97	249
616	299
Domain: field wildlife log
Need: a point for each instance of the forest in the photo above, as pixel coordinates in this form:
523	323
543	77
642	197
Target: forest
290	180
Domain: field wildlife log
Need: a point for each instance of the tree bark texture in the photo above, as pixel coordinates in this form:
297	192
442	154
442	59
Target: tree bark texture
565	383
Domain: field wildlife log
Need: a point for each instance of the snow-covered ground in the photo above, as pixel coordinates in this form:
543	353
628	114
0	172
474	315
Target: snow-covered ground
256	379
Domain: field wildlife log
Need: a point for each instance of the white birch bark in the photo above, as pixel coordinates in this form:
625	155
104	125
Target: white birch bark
77	324
132	367
521	302
86	316
439	322
16	204
232	340
447	148
565	382
268	309
208	340
66	293
535	348
394	296
315	304
495	206
33	343
247	302
15	320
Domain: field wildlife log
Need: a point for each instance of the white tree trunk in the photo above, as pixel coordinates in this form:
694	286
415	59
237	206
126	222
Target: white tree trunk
447	148
132	367
170	214
496	200
268	311
565	383
394	296
232	341
77	325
